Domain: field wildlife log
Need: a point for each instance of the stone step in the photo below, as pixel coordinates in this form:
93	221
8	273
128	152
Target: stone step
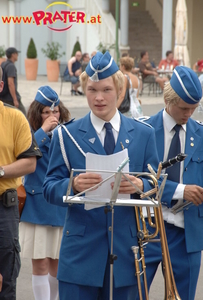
143	35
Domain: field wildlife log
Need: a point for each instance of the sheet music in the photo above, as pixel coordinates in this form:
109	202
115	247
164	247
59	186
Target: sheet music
109	163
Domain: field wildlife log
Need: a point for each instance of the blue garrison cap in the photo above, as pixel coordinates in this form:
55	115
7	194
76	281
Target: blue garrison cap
186	84
48	97
101	66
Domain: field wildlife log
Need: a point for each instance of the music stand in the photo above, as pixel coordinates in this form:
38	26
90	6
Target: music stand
80	198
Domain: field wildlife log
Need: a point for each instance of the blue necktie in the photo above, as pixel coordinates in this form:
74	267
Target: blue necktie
174	171
109	142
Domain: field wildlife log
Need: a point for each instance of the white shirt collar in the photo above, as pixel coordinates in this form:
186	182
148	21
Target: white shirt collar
169	122
99	123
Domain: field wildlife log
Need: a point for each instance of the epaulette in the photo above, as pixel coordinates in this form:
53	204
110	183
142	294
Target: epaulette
199	122
70	121
142	120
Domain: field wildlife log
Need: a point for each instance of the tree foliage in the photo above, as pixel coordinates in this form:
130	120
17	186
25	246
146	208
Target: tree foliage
2	51
31	50
76	48
52	51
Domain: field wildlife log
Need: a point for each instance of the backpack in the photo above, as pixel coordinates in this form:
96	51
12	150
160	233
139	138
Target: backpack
5	79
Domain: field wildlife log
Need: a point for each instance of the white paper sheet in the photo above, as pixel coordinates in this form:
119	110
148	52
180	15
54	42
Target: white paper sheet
108	163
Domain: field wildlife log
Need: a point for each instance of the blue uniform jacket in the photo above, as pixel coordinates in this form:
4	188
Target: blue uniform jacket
36	209
86	237
193	174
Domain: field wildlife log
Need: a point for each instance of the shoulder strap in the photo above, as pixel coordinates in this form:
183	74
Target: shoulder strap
8	105
4	68
129	82
6	64
63	151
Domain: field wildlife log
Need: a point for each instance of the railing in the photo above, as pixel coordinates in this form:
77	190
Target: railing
107	29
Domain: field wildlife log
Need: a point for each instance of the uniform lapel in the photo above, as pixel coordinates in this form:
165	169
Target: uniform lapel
159	142
124	138
90	137
157	123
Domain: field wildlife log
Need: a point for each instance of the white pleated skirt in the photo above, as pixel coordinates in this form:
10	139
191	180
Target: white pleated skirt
39	241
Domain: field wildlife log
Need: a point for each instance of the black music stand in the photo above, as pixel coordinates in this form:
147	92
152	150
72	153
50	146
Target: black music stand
114	201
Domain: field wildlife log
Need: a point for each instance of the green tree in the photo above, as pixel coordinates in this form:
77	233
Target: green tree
76	48
2	51
31	50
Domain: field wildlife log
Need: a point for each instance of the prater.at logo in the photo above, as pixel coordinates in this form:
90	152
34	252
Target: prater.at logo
64	19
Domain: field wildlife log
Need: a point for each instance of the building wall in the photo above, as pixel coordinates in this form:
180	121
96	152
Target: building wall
141	4
155	9
40	34
19	35
85	33
4	10
195	42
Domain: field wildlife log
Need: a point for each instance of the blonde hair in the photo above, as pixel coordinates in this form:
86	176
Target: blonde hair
170	95
118	79
127	62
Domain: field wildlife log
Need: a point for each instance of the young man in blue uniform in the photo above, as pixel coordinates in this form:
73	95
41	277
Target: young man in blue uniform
184	230
84	268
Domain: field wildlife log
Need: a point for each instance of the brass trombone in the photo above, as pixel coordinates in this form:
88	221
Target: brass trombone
171	292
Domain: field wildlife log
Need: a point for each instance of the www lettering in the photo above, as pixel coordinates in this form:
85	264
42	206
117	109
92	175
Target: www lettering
16	20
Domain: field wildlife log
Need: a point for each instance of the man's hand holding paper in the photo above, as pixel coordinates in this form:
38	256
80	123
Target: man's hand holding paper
85	181
126	187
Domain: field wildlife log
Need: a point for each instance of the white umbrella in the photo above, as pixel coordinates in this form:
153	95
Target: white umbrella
181	31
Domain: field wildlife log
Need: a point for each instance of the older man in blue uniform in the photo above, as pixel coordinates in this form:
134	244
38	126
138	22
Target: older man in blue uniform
184	229
85	250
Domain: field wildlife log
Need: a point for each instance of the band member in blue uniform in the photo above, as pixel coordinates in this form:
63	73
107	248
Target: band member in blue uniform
83	272
184	230
41	223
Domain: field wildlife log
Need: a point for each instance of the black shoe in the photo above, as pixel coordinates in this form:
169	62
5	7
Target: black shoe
80	93
74	93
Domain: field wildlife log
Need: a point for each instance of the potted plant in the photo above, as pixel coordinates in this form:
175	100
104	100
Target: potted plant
52	51
103	48
2	54
31	62
76	48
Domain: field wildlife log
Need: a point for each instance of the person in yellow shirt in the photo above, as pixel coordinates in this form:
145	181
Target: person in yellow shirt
19	151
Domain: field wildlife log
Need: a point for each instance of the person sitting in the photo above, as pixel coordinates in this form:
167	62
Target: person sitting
73	71
132	83
198	66
85	61
169	63
149	72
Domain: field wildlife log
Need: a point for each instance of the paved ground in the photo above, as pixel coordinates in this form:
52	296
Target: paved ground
78	108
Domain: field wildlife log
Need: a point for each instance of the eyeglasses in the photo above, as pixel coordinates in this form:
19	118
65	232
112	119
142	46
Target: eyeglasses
48	112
